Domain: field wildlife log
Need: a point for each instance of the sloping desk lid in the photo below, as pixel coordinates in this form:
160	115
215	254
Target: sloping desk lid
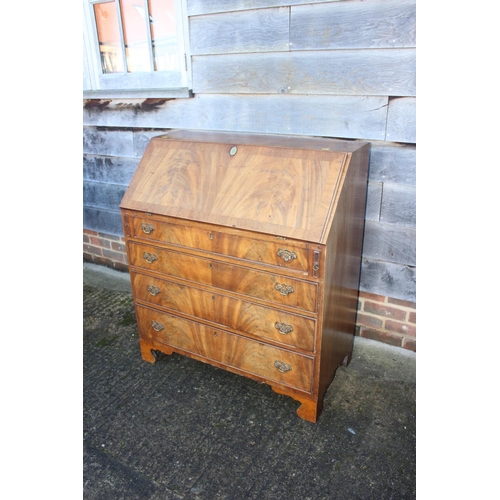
285	186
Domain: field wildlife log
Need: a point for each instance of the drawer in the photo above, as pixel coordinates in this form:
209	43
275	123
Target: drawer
270	287
243	354
287	254
240	315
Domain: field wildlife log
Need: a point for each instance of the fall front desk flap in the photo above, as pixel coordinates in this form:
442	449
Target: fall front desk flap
281	185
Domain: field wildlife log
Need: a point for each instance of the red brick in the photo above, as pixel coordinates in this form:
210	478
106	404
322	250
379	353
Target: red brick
109	236
100	261
410	344
100	242
367	320
90	232
399	302
92	249
114	256
412	317
396	326
384	310
385	337
118	246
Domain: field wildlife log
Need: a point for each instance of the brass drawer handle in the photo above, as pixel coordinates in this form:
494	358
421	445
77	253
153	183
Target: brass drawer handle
157	326
284	289
282	367
150	257
147	227
286	255
283	328
153	290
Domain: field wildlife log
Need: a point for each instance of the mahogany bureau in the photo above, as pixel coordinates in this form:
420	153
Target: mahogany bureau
244	252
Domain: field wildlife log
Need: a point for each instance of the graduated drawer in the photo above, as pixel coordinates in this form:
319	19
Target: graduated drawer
240	315
262	285
243	354
286	254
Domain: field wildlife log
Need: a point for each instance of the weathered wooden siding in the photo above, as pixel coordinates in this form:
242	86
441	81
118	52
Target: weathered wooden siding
343	68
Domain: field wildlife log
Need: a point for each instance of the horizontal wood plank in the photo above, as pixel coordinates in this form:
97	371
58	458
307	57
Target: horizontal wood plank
393	163
109	169
108	142
390	243
373	201
198	7
356	24
329	116
103	195
102	220
374	72
385	278
249	31
401	120
399	205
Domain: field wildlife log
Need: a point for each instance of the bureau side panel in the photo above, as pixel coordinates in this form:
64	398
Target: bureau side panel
342	269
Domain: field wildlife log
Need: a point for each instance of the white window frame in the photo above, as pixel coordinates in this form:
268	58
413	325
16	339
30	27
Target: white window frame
96	84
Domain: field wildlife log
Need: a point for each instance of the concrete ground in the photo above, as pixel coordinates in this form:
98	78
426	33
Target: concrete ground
181	429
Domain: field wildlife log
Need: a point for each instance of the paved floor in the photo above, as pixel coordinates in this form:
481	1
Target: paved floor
181	429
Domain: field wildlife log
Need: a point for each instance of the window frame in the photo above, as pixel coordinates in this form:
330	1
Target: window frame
97	84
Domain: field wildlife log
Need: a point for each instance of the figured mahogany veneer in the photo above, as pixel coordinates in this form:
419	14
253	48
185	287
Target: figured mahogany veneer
244	252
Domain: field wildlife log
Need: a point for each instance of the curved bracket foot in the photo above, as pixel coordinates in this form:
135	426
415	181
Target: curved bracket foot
308	410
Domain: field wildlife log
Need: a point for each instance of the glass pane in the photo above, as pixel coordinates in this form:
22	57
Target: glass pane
109	37
135	34
164	34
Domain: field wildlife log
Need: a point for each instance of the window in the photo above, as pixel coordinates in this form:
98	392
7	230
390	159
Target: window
135	48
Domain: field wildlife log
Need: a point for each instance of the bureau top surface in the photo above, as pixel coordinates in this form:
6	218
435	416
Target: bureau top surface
281	185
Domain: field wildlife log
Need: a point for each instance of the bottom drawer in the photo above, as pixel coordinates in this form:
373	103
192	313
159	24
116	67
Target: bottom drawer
245	355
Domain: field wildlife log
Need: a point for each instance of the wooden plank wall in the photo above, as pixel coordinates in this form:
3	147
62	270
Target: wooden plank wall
343	68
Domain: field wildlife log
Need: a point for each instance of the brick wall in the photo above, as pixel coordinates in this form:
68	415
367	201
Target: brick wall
104	249
388	320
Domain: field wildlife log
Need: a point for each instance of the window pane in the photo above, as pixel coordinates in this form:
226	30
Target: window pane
164	34
109	37
135	35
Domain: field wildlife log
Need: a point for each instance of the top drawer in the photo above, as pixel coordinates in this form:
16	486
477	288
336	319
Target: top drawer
286	254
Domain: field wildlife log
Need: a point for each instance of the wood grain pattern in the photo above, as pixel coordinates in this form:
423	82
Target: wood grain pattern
386	242
242	316
361	117
389	279
259	189
237	32
247	356
220	241
401	120
235	279
197	7
355	24
215	292
382	72
399	205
